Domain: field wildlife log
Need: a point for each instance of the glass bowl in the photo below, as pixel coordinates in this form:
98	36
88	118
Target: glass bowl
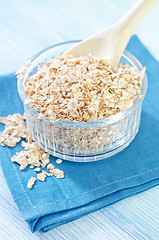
82	141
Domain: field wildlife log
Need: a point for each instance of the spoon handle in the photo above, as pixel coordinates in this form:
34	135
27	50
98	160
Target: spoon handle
123	29
132	18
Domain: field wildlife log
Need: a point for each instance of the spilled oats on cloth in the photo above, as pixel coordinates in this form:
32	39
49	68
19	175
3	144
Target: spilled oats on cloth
15	130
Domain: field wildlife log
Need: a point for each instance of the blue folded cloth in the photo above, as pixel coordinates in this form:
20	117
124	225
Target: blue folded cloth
86	187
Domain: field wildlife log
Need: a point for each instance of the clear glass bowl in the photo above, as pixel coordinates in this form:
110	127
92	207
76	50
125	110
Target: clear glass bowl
82	141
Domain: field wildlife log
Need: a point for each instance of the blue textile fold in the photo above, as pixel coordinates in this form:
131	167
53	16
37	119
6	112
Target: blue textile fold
86	187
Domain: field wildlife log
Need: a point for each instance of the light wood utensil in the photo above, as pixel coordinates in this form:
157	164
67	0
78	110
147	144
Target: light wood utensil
111	42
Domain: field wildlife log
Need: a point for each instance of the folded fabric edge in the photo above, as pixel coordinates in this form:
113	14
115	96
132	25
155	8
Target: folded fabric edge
54	221
39	211
77	201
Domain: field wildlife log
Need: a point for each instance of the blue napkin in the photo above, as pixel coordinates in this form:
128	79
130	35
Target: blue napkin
86	187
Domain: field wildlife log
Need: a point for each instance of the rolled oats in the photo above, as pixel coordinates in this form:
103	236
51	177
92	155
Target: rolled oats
82	89
37	169
50	166
58	161
15	130
58	173
41	176
31	182
47	174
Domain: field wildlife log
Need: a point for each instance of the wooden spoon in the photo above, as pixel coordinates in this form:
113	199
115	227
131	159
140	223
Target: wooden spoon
111	42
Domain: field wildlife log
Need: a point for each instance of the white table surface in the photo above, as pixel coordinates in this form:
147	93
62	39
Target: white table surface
25	28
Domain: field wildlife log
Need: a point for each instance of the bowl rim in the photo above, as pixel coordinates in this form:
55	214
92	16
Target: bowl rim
66	123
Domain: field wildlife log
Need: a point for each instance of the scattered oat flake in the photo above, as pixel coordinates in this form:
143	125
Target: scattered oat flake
50	166
37	169
58	161
41	176
58	173
33	155
47	174
61	175
15	130
55	171
31	182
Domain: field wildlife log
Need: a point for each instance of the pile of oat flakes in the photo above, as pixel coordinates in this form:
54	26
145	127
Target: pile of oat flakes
82	89
15	130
